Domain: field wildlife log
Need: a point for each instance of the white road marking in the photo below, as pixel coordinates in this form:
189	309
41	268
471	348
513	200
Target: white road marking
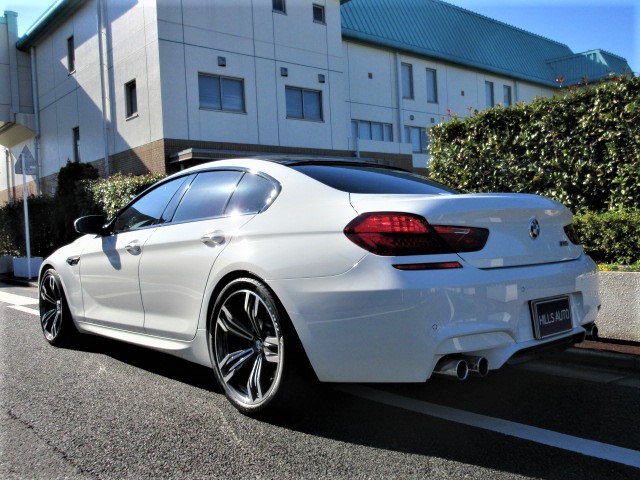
539	435
17	299
20	308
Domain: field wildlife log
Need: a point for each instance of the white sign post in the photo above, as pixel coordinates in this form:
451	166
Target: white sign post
27	236
26	164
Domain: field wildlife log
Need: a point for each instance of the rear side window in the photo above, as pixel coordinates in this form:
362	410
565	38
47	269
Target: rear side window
365	179
207	196
253	195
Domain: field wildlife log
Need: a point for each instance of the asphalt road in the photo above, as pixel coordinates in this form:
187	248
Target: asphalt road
114	411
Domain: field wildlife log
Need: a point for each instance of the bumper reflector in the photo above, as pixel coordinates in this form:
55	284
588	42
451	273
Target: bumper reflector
428	266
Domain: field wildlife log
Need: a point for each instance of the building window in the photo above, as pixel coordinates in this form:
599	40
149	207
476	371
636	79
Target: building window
76	144
382	132
221	93
304	104
407	80
507	95
279	6
71	55
488	89
131	98
318	13
417	137
432	86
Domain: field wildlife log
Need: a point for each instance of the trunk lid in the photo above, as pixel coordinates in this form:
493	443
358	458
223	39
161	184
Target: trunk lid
510	218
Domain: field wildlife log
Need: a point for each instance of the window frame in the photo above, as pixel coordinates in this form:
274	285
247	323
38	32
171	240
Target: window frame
220	78
131	99
432	75
71	55
422	135
302	91
277	8
75	132
317	7
489	94
356	123
507	95
409	68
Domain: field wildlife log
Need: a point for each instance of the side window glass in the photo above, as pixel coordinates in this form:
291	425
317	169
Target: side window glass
207	196
148	210
253	195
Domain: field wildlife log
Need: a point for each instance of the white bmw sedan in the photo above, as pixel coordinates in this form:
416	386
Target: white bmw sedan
368	273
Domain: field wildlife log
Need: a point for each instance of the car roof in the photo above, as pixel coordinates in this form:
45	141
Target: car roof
295	160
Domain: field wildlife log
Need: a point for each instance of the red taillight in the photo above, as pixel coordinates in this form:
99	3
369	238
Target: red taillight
398	234
463	239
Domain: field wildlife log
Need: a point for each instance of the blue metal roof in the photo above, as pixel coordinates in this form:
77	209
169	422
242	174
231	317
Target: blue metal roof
588	66
442	31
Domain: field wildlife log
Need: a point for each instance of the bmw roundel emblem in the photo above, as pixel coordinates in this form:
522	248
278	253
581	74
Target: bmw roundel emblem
534	228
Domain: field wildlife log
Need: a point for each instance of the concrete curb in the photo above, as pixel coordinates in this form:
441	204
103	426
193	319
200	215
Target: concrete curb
23	282
597	358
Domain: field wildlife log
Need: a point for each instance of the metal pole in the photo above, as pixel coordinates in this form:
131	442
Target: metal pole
26	215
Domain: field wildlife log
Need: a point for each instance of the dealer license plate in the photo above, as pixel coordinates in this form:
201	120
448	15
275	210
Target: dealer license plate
551	316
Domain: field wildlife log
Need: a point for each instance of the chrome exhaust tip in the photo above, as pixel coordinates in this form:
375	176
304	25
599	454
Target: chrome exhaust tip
452	367
592	331
477	365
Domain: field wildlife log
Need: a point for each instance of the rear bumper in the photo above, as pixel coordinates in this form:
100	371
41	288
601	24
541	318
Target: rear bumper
378	324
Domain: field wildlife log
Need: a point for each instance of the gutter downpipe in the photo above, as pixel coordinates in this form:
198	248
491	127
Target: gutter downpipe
103	88
36	111
399	96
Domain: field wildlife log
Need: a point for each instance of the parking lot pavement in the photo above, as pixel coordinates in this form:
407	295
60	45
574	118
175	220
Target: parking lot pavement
110	410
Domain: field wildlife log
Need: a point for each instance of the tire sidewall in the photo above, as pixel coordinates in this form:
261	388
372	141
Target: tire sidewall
255	286
66	330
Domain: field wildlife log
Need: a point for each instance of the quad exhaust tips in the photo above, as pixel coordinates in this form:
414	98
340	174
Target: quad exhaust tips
592	330
461	367
477	365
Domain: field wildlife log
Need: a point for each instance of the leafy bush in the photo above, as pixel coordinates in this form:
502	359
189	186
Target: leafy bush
610	237
12	234
51	219
112	194
582	148
72	200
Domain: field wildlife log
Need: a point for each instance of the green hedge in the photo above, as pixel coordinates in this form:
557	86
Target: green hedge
581	148
112	194
611	237
51	219
42	227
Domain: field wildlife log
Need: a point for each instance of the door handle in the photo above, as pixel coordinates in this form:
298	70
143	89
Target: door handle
213	238
133	247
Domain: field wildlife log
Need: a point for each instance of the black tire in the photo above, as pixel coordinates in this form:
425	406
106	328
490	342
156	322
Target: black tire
55	318
251	345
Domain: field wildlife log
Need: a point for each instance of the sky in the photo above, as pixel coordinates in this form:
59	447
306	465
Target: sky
611	25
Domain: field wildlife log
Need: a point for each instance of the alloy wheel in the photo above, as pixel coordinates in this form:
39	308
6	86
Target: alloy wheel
248	348
51	306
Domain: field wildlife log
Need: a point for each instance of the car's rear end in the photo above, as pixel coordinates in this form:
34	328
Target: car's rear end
447	281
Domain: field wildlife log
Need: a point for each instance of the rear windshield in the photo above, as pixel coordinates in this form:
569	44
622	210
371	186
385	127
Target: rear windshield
366	179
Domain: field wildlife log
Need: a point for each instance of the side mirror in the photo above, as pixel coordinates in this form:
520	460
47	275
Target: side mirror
91	224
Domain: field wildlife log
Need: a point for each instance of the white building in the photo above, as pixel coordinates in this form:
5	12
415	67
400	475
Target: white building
155	85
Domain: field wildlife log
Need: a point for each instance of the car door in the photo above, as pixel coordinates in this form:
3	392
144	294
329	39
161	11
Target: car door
109	265
179	256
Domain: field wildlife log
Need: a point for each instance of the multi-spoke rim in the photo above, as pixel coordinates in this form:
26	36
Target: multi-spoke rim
247	344
50	306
